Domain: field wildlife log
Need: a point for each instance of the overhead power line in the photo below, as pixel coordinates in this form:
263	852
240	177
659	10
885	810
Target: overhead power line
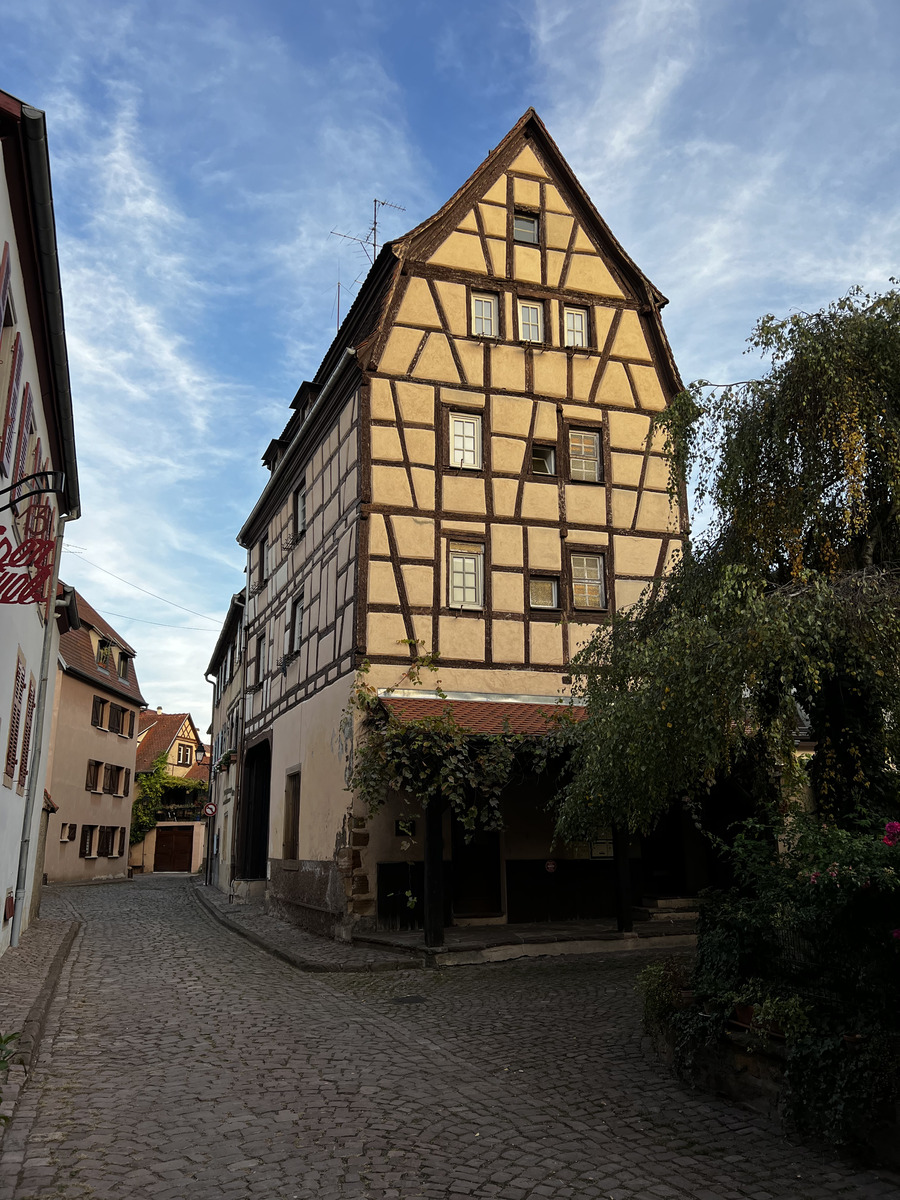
138	588
144	621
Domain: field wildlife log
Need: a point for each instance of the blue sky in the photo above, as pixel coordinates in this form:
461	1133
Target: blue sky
744	153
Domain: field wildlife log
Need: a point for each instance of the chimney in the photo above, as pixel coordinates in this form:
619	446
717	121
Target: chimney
159	710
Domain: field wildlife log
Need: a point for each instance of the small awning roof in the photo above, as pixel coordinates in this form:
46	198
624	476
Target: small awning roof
484	716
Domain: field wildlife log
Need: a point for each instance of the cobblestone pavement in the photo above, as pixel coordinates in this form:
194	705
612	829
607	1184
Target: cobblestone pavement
24	969
295	945
181	1061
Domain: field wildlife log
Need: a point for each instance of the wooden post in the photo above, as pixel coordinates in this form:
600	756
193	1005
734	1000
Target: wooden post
624	911
434	875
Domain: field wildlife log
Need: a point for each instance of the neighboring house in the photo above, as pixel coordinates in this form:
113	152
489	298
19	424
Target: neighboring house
93	747
177	841
226	667
38	493
472	468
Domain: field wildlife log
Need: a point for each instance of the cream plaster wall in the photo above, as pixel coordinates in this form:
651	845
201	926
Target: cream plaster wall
75	742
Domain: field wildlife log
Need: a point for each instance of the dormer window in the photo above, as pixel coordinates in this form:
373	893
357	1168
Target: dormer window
526	228
123	666
103	649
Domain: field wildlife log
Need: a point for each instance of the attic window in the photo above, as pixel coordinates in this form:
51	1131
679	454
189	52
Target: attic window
123	666
526	228
103	649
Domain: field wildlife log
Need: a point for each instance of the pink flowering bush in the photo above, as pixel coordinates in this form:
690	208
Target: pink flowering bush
891	833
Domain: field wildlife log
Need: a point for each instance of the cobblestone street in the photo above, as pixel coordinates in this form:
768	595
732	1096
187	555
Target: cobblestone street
181	1061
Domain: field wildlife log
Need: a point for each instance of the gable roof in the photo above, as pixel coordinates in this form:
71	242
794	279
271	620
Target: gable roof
528	133
367	324
527	150
157	731
77	655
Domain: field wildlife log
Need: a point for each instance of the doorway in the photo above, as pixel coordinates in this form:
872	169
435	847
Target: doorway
174	848
252	850
476	872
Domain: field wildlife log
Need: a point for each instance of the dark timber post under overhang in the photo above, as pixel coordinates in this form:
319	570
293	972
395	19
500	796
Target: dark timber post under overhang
434	874
624	911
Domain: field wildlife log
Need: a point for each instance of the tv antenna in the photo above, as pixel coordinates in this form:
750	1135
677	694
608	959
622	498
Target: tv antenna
369	243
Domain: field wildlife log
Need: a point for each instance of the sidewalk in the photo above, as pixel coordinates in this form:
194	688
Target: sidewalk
28	978
464	945
294	945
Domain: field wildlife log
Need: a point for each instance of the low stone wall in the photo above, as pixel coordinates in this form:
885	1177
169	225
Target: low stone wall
751	1073
309	894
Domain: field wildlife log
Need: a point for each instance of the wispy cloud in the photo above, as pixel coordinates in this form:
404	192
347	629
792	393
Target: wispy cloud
740	153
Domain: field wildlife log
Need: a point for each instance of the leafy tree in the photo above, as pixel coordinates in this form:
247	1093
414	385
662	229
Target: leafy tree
791	596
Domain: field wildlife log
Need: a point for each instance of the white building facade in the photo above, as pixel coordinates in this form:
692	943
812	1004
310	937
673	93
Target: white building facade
38	495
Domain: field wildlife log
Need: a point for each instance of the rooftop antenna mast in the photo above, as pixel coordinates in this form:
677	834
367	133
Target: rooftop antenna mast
369	243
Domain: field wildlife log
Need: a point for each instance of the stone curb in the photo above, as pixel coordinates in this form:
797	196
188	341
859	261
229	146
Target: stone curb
297	960
29	1042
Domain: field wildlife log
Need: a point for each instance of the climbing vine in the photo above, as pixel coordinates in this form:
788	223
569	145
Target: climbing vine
435	759
155	792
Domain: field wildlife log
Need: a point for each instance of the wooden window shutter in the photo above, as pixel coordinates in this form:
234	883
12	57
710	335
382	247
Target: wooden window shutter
5	275
26	734
15	717
87	838
127	788
122	839
24	434
12	407
131	724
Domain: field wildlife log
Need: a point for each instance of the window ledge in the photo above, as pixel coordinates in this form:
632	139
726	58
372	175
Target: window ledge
91	856
96	792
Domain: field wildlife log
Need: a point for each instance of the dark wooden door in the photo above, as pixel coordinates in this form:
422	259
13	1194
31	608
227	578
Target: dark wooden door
174	847
476	872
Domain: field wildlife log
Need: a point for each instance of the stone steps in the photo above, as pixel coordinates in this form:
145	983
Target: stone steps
667	909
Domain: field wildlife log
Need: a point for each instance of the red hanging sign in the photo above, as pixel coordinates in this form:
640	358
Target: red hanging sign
25	570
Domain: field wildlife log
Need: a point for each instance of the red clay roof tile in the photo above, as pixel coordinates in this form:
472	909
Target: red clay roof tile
483	716
77	653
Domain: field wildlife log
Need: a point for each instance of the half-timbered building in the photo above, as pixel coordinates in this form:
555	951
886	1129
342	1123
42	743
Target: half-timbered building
471	472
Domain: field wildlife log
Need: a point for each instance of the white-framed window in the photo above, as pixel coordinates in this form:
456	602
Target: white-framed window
466	575
543	592
576	323
584	455
465	440
526	228
299	506
296	624
588	583
531	321
543	460
485	314
185	755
